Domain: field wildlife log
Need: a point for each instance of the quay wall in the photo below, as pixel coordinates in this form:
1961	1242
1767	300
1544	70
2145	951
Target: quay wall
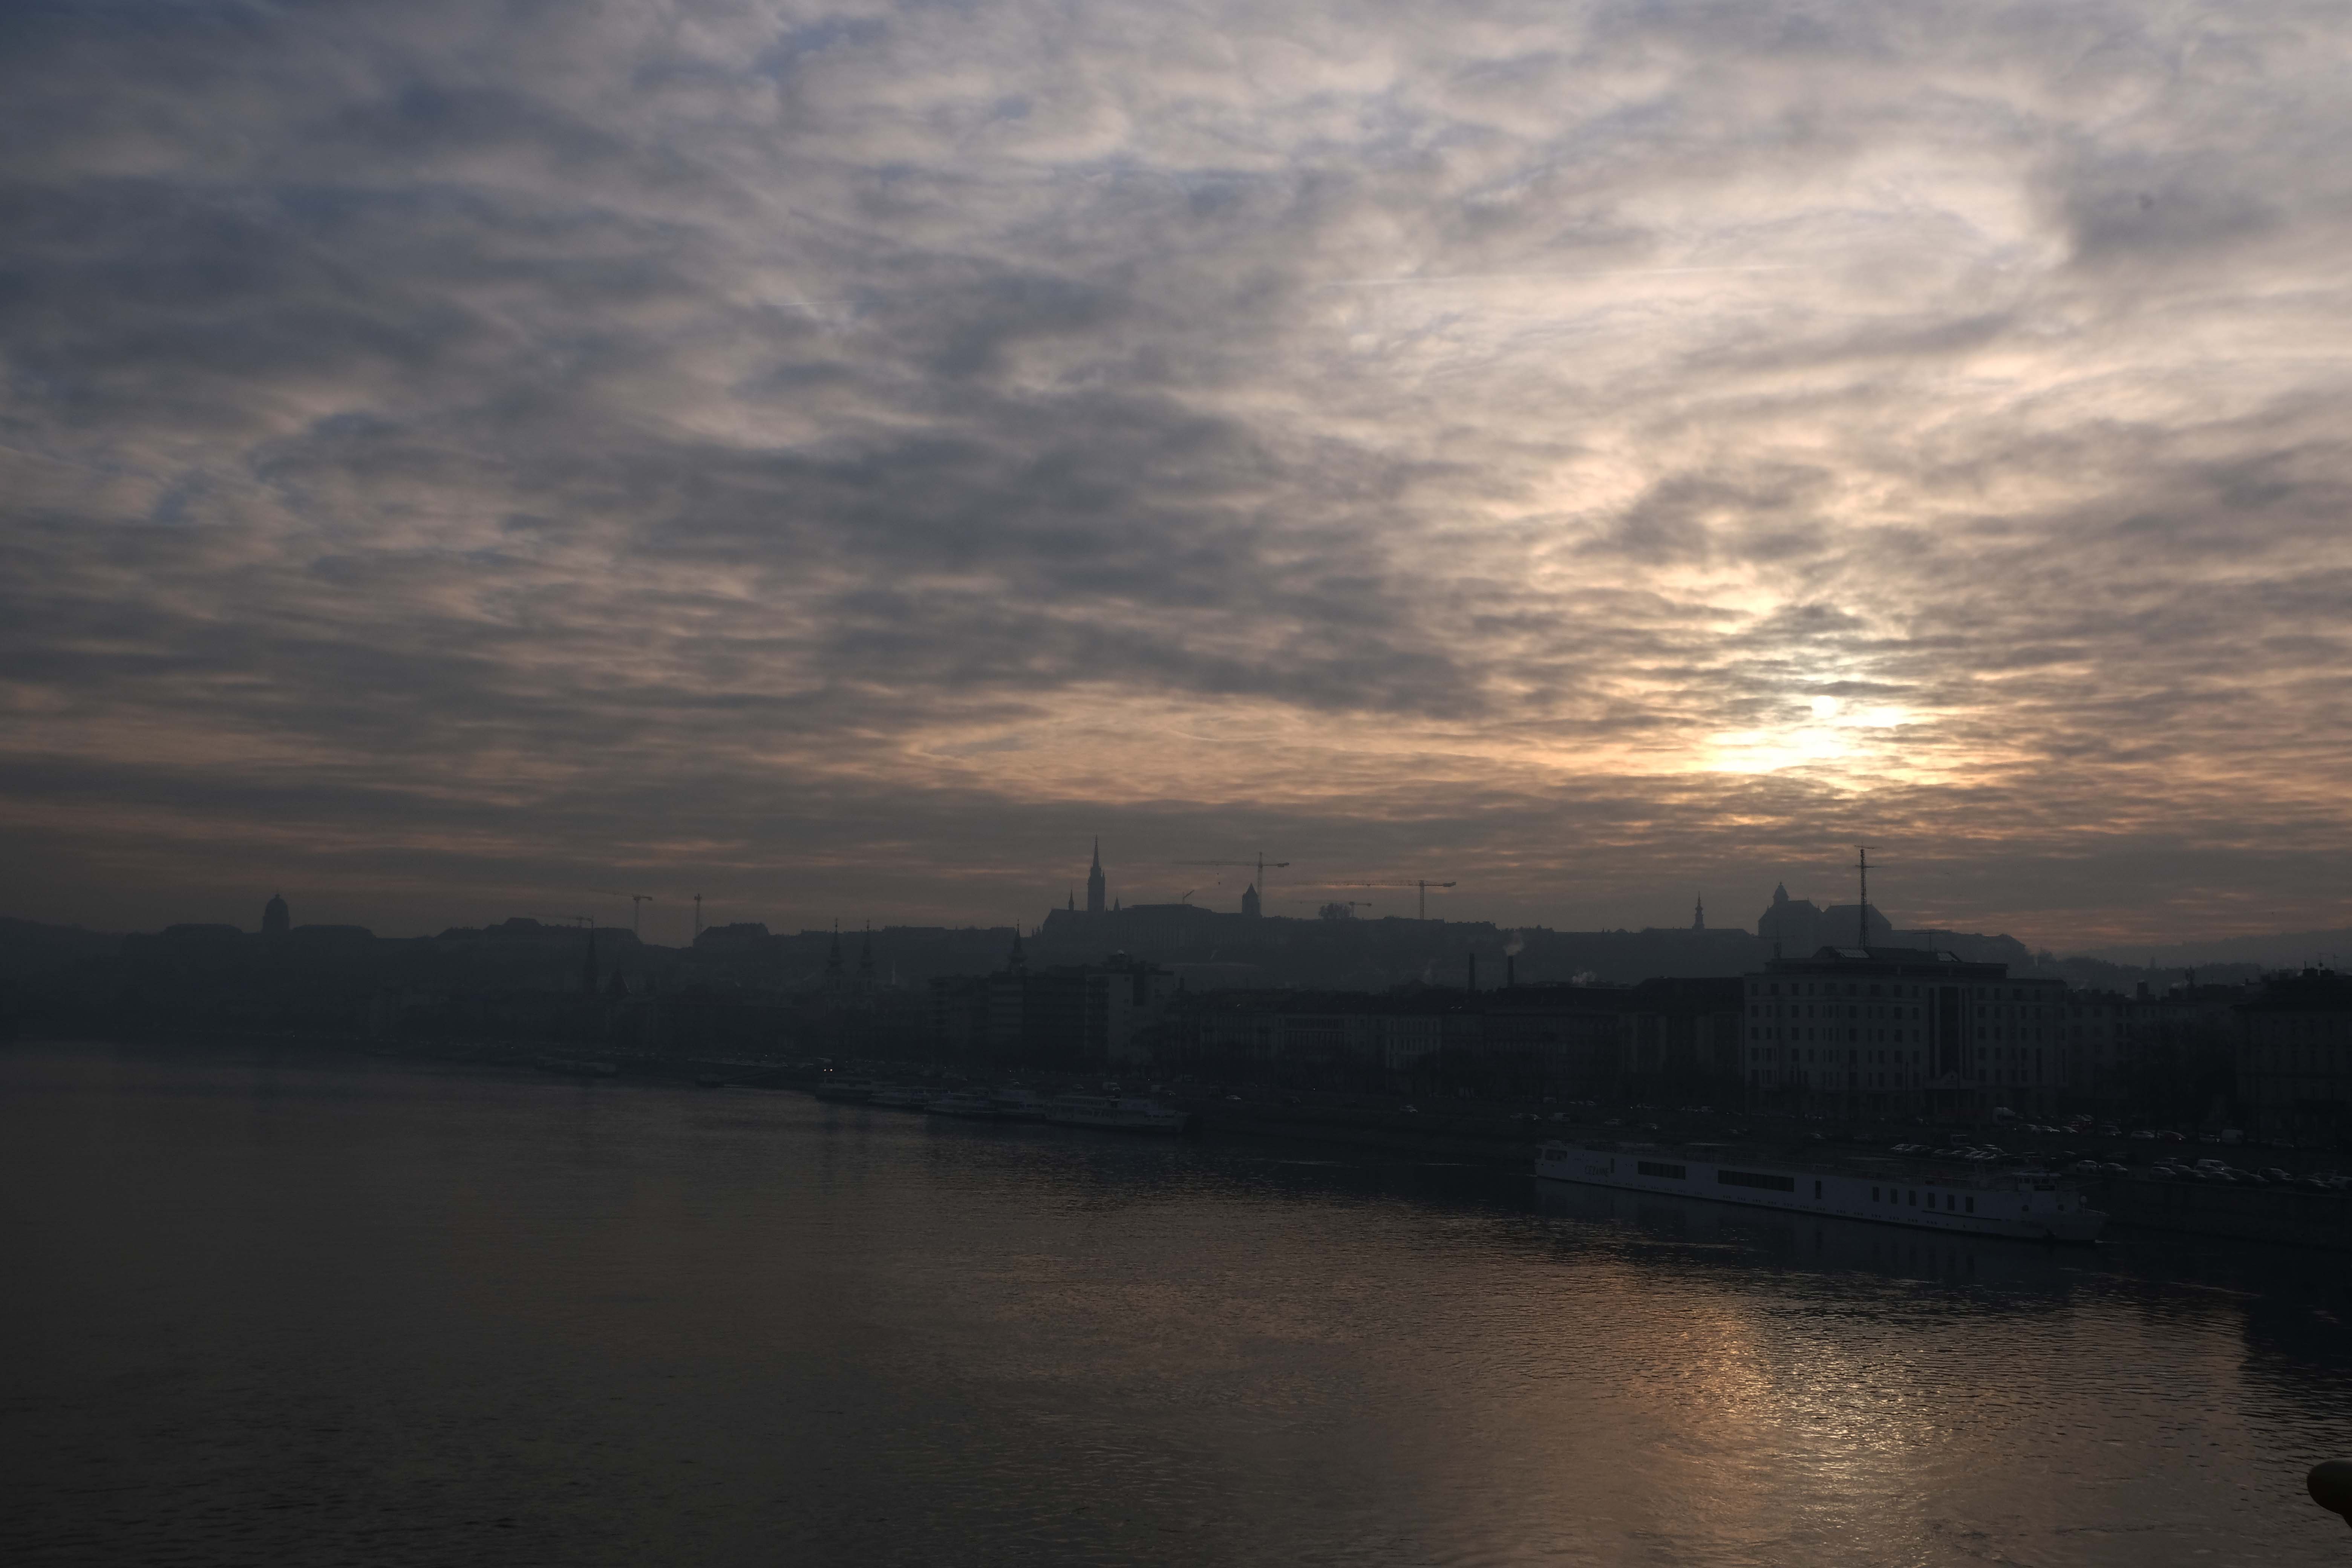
2244	1213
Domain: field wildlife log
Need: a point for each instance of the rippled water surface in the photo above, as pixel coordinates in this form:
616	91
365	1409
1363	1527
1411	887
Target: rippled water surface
305	1310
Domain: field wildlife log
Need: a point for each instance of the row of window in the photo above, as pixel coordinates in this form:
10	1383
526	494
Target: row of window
1855	988
1909	1198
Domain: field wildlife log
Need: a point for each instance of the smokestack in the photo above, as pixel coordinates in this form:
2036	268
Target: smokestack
1474	971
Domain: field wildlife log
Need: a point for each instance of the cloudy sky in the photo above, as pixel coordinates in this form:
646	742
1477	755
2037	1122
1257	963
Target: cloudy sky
839	458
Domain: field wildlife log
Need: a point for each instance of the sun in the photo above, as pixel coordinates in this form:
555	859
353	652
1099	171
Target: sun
1825	731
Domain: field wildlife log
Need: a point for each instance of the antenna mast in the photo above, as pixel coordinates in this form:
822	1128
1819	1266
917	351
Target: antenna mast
1862	916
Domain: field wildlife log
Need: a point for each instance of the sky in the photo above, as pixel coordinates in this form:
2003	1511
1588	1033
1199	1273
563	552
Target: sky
469	460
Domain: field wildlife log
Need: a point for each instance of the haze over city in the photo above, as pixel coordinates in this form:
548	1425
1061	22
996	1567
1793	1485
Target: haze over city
841	460
1255	782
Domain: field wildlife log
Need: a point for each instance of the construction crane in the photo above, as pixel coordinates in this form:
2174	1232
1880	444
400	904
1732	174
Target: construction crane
1421	888
636	902
1261	863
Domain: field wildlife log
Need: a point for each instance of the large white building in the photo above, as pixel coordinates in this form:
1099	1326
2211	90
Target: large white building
1882	1030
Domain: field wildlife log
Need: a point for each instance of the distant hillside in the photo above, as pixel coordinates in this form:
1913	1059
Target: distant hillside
36	947
2289	949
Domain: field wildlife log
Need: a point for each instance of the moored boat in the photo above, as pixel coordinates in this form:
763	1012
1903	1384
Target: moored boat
2028	1205
1018	1104
971	1104
1118	1112
578	1066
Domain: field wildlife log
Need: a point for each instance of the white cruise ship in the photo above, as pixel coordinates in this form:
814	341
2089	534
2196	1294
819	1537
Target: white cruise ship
2029	1205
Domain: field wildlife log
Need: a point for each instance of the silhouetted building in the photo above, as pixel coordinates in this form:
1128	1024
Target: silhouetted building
1081	1017
2098	1055
1901	1030
1699	915
837	977
1567	1039
1094	884
1252	908
1800	925
1322	1039
2295	1056
738	937
275	918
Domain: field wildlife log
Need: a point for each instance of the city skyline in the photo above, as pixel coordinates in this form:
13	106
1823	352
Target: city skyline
836	462
1806	919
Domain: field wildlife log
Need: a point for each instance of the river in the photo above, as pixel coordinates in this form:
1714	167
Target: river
312	1309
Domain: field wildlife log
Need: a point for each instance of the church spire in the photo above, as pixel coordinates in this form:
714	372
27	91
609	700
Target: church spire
1095	882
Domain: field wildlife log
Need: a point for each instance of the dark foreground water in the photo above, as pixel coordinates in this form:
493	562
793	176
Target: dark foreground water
309	1311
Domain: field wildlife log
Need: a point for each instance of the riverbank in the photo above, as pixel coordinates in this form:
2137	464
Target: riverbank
1477	1133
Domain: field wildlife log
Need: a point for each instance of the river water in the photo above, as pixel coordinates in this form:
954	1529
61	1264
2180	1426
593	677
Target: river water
288	1309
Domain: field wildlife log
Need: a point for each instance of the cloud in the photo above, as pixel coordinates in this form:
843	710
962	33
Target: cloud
839	450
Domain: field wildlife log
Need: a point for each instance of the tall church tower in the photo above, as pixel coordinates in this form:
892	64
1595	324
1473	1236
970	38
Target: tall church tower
1251	907
837	977
1095	882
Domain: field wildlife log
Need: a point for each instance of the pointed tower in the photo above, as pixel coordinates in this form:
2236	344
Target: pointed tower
274	917
836	978
1095	882
1699	915
1251	907
1016	961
